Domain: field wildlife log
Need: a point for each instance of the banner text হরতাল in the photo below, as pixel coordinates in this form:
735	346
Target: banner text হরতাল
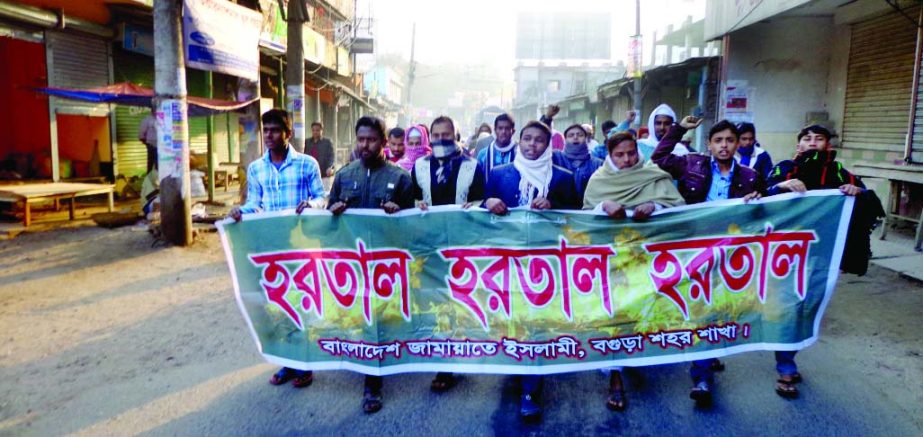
375	273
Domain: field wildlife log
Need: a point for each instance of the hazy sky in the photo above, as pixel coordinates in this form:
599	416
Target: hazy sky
463	31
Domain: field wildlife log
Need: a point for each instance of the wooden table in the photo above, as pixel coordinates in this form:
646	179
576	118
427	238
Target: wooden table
897	175
28	194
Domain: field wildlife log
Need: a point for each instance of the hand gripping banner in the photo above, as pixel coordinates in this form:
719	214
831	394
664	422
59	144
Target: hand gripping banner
535	292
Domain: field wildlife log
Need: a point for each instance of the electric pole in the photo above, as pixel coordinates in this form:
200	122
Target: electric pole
296	16
411	73
172	123
637	62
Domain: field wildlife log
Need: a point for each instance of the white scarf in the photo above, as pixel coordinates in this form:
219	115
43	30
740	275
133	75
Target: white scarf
611	164
533	175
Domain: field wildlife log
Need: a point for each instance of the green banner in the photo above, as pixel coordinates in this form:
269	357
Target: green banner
535	292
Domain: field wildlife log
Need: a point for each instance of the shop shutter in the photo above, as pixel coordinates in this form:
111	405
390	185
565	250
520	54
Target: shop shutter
77	61
131	154
878	86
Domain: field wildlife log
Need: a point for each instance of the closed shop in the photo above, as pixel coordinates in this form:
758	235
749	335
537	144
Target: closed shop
80	133
878	88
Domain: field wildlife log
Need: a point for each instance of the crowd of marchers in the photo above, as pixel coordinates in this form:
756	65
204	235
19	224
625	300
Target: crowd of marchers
626	174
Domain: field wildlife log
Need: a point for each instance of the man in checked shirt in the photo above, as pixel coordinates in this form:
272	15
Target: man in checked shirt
282	179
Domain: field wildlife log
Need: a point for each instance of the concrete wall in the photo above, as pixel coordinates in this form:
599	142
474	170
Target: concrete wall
789	62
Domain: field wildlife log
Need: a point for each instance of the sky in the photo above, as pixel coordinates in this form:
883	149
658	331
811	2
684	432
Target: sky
466	31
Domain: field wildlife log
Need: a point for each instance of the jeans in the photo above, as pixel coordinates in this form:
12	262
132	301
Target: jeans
785	363
701	371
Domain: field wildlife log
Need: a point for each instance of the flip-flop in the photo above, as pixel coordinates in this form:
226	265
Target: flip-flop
443	381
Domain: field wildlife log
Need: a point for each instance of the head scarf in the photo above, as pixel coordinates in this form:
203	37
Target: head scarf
647	145
534	176
557	141
411	154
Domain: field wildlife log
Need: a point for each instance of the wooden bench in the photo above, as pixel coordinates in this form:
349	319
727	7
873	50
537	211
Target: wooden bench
897	175
28	194
227	172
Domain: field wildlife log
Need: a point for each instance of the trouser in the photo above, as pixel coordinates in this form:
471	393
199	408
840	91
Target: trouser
701	370
531	384
785	363
374	383
151	158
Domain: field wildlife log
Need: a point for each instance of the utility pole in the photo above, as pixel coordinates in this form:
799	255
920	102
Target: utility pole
638	76
296	16
172	123
411	73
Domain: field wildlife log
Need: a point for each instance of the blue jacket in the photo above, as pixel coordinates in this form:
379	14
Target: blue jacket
503	184
582	173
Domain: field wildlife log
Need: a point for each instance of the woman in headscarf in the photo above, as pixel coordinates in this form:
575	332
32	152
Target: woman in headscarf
533	181
626	182
416	145
576	156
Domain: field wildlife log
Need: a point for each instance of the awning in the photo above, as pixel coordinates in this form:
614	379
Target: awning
129	94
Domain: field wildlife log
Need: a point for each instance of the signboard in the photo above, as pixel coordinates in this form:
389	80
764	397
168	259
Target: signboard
137	39
223	37
634	56
363	46
274	32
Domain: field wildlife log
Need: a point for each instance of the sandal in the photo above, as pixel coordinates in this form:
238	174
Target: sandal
282	376
443	382
371	402
787	388
701	394
616	400
303	379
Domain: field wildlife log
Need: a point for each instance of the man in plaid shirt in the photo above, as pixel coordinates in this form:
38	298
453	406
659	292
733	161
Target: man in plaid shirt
282	179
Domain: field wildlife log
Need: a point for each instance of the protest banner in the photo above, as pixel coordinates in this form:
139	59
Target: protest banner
535	292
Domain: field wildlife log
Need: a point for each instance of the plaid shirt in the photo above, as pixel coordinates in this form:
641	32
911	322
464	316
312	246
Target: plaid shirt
271	189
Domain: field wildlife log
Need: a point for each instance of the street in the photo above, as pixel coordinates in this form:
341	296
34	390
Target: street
105	335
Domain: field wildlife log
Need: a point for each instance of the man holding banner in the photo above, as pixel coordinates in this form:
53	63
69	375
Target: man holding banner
371	182
531	181
282	179
703	178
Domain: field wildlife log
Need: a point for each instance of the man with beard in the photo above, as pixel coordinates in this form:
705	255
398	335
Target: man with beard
371	182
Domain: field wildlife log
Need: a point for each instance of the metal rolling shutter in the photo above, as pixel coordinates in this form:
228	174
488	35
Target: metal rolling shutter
878	86
131	153
198	127
77	61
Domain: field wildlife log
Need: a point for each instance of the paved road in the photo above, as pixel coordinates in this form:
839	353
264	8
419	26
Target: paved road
105	335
